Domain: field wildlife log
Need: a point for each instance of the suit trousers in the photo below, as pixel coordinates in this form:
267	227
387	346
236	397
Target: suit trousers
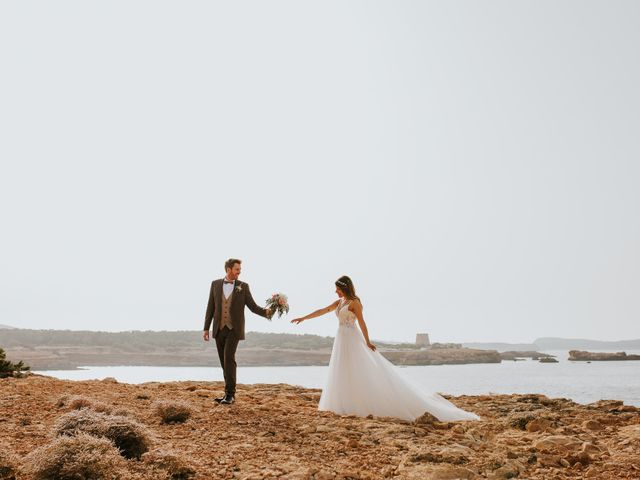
227	343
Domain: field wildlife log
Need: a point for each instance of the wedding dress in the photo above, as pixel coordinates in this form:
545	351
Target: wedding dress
362	382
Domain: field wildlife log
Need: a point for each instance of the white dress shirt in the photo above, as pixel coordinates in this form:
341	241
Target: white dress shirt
227	288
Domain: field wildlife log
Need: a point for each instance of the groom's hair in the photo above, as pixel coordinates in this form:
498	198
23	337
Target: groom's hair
230	263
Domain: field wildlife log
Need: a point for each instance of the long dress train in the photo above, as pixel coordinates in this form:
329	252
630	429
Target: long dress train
362	382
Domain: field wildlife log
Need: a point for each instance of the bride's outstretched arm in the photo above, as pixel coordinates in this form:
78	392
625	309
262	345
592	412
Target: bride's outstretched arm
357	309
317	313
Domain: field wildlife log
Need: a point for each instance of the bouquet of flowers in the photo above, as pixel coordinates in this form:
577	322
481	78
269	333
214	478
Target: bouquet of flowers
278	303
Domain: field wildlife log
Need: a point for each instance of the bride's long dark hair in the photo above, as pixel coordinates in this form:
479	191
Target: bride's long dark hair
345	284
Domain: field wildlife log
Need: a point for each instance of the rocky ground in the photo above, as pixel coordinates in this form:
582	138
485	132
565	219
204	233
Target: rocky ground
276	431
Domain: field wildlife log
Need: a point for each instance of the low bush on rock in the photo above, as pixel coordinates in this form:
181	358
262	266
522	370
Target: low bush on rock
78	402
175	467
62	401
10	369
101	407
81	457
8	464
122	412
132	438
172	411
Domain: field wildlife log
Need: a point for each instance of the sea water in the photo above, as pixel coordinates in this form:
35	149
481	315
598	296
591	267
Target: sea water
580	381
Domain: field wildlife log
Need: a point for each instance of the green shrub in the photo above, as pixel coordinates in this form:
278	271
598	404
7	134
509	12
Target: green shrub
9	369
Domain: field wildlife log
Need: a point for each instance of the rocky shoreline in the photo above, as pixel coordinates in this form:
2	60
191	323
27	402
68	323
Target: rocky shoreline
276	431
583	356
70	358
67	350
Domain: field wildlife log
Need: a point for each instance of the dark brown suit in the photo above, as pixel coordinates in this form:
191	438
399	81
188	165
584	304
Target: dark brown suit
227	339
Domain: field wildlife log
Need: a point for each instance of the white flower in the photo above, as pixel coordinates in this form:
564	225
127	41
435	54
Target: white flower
238	288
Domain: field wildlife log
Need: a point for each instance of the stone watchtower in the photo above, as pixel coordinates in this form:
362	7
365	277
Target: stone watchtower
422	340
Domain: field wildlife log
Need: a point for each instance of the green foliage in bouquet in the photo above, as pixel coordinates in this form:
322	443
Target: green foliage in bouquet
10	369
278	303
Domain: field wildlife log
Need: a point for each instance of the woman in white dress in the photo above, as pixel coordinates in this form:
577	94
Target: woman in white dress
361	381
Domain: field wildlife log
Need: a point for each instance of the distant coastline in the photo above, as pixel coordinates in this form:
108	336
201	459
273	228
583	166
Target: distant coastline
556	343
68	350
62	350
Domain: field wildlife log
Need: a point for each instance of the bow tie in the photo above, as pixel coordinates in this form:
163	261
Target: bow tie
225	282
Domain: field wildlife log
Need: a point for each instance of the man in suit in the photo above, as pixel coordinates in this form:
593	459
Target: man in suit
227	299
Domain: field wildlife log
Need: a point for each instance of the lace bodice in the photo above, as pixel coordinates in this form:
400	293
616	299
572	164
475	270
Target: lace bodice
345	316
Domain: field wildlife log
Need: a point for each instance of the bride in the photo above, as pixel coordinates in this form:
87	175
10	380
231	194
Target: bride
361	381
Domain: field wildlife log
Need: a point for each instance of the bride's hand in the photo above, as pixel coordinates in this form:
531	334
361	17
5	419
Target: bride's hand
371	346
297	320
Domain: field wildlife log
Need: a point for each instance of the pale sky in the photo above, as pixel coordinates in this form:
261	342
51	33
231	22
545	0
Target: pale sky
474	166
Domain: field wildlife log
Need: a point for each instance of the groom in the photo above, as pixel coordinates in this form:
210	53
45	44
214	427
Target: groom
227	300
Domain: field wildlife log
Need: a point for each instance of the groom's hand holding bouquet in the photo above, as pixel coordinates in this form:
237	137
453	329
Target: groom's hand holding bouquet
278	302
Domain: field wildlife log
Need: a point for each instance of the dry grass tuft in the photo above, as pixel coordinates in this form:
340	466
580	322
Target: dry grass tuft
8	464
122	412
175	467
82	457
172	411
78	402
101	407
132	438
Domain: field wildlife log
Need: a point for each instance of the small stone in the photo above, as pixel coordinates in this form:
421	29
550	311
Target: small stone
458	429
628	408
538	425
505	472
549	460
589	448
324	475
558	444
591	473
426	419
592	425
353	443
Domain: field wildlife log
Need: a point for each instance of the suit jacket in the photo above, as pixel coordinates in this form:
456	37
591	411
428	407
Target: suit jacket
241	297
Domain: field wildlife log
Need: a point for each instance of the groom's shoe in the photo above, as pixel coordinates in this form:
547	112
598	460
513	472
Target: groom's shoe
219	399
228	400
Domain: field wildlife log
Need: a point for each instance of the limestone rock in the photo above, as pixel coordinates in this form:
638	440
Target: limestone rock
558	444
592	425
538	425
436	472
276	432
